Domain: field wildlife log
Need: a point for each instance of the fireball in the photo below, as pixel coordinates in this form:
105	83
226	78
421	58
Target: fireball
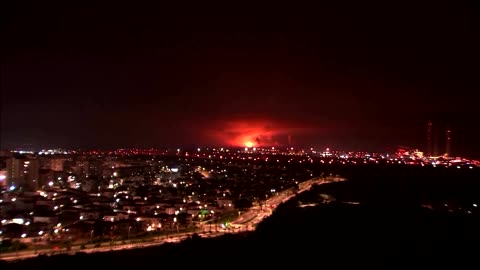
249	144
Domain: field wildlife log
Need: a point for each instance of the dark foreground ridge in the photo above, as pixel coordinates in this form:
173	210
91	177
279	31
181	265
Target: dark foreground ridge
377	219
333	234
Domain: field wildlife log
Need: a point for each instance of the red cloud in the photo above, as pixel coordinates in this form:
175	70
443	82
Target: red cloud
255	132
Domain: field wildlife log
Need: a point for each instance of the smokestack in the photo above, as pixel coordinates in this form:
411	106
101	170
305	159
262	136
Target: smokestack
1	112
447	146
429	139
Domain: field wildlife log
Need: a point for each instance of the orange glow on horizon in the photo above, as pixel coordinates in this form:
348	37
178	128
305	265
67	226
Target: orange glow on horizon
255	132
249	144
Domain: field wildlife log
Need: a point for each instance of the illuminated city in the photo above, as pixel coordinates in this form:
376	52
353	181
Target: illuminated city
185	135
54	198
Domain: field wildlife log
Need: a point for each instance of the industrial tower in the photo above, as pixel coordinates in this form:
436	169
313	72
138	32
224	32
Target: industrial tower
447	146
429	139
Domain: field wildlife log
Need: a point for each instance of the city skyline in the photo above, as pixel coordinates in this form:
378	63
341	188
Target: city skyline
149	133
363	77
245	135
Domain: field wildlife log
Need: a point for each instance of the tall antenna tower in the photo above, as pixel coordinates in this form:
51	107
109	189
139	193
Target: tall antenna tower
447	146
429	139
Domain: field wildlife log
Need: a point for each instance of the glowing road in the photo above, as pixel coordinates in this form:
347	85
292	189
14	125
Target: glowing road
104	247
256	214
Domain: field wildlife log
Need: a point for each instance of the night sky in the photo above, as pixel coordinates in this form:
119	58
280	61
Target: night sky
359	75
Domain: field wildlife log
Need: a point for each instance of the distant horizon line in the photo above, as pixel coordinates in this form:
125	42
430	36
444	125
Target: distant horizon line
316	148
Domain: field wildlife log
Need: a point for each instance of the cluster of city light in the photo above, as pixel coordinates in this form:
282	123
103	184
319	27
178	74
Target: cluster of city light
55	152
250	152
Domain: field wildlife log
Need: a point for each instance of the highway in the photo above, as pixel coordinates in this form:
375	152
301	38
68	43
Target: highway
256	214
105	246
246	221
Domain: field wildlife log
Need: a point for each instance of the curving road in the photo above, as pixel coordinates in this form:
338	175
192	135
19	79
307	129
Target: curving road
256	214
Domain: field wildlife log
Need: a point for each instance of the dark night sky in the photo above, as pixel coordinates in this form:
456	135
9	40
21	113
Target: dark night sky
355	75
